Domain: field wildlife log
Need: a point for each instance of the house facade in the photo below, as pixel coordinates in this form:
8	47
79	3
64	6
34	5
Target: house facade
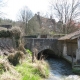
41	25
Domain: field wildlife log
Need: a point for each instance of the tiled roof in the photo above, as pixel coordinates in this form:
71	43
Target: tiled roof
71	36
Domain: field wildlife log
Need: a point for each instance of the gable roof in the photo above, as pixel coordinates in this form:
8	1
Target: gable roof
73	35
41	24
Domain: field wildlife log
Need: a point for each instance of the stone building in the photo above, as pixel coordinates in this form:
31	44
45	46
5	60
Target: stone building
71	45
41	25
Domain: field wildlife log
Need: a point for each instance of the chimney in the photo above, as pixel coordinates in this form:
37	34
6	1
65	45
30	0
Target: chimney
51	17
38	13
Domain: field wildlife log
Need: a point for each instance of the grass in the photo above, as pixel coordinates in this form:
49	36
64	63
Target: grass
24	71
7	71
28	51
9	76
35	71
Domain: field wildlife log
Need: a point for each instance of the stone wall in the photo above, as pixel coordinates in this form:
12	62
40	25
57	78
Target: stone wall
78	51
42	43
6	43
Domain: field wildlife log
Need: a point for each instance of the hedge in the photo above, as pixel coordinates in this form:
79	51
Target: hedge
13	32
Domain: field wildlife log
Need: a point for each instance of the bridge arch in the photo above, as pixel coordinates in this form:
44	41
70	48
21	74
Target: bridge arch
46	53
42	45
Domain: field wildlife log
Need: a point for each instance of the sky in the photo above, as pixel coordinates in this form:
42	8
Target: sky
12	7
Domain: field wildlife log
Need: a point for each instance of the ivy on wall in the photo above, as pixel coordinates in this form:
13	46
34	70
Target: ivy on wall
13	32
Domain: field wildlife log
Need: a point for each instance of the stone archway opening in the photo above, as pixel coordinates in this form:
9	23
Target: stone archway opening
47	53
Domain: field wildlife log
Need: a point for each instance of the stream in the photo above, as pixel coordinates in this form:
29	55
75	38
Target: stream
61	70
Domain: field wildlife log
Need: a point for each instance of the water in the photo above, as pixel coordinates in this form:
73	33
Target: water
61	70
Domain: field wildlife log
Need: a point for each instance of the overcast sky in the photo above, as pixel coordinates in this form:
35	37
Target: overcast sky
13	6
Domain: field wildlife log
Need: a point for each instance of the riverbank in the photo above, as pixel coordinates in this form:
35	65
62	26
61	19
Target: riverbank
69	59
24	71
33	71
75	67
60	69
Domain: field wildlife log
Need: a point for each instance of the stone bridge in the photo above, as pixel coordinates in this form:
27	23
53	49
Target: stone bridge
42	44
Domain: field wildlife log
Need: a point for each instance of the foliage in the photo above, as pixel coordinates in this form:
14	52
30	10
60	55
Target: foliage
76	70
4	65
5	33
9	76
25	71
35	71
21	48
1	68
15	58
7	22
15	32
7	71
67	13
28	51
25	15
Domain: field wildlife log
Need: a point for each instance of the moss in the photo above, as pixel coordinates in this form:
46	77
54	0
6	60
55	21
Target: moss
76	70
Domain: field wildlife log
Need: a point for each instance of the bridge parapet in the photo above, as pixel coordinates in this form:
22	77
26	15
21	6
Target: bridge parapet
41	44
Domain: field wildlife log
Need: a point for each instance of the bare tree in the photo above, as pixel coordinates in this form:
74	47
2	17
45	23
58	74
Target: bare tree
66	12
2	4
25	15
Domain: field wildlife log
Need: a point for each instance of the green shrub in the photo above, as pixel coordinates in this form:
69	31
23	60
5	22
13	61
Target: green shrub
28	51
21	48
15	58
13	32
16	32
5	33
4	66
